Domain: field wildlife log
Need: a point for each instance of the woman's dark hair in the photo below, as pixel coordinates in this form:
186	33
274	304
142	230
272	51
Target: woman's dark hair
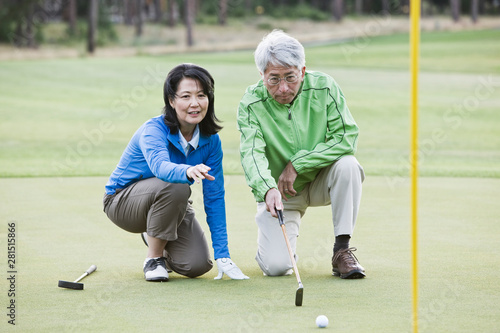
209	125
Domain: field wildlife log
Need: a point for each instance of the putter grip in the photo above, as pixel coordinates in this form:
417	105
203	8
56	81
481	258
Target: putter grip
280	216
91	269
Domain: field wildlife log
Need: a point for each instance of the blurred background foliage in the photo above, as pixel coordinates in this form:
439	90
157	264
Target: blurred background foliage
29	23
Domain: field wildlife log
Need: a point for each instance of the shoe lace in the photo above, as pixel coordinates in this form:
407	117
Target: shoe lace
158	261
347	255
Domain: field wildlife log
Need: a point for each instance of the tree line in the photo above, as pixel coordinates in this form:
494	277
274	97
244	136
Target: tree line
20	20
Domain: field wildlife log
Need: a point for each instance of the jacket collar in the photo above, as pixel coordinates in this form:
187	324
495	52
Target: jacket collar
175	138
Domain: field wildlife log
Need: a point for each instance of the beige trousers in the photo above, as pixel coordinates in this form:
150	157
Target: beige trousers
163	210
338	185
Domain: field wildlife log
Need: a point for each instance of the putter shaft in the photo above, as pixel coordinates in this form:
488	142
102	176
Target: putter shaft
89	271
292	257
300	291
75	285
81	277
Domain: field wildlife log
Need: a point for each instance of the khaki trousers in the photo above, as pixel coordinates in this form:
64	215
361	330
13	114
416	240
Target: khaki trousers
338	185
163	211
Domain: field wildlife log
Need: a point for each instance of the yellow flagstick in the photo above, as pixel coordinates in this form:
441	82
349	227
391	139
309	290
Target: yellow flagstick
414	52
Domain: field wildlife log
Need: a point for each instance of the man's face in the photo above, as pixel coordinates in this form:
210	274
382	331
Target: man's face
288	81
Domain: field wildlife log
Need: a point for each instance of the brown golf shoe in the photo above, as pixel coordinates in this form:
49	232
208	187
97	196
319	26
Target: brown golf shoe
346	265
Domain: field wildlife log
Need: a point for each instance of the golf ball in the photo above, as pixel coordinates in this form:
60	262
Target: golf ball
321	321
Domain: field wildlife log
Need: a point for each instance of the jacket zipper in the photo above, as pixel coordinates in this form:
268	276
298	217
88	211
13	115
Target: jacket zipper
294	127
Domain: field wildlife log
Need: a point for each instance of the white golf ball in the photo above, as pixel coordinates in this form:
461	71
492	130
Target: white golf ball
321	321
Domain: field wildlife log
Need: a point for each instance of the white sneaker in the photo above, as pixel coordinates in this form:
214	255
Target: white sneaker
144	237
155	270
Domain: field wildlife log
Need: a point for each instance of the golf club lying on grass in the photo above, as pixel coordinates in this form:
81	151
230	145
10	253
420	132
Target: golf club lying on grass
75	285
300	290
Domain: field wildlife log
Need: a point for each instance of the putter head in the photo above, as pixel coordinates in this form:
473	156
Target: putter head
70	285
299	295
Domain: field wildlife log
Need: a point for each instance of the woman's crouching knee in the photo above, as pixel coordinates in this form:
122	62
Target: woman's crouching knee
194	268
174	194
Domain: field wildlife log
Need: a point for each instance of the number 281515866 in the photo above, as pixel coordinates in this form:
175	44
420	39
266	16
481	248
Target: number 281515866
11	245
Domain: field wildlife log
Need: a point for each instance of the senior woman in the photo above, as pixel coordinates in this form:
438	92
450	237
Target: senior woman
149	190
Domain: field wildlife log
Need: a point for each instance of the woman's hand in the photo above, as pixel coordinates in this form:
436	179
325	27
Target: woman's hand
198	172
226	265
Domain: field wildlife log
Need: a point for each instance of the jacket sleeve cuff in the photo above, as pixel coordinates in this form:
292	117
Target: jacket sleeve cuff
260	195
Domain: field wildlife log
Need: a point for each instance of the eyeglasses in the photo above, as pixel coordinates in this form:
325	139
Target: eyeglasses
273	81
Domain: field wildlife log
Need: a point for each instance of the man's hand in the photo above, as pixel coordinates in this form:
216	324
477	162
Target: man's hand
226	265
198	172
273	201
286	180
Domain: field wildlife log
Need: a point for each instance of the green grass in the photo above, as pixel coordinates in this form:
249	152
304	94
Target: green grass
61	231
466	52
73	117
64	124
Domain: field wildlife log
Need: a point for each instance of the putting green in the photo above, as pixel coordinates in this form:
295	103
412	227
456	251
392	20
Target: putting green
61	230
73	117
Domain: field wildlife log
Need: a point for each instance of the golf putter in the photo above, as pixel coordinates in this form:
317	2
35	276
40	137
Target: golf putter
300	290
75	285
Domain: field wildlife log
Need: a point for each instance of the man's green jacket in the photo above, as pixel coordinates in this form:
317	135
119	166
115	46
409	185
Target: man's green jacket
312	132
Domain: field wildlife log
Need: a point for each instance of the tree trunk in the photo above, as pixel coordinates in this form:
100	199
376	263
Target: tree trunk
129	11
481	7
359	6
158	13
25	25
172	13
190	10
17	35
30	33
455	10
367	6
248	5
138	18
474	10
337	10
222	12
92	25
72	17
386	7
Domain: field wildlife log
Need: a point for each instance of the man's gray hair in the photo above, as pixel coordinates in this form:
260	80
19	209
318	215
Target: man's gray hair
279	49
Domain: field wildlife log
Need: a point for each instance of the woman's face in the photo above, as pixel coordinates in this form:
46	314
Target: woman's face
190	104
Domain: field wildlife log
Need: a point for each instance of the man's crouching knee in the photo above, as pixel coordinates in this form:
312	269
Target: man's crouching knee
274	267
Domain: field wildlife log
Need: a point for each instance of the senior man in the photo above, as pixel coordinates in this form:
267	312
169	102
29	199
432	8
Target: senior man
297	144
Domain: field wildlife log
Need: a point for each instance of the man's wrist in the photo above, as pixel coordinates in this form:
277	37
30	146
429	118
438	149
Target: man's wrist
272	188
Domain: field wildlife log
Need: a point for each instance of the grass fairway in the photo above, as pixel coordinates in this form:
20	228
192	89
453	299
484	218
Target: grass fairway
64	123
61	230
73	117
